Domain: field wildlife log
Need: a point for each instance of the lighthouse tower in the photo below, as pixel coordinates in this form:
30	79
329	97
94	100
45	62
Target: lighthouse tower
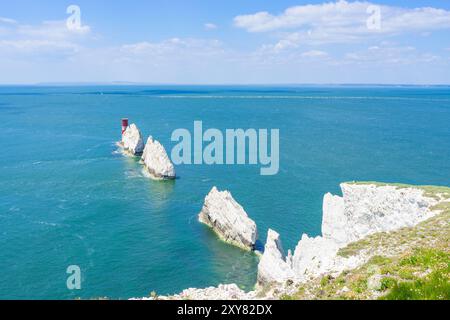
124	125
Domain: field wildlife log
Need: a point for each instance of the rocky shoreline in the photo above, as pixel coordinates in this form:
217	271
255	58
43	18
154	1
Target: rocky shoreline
366	211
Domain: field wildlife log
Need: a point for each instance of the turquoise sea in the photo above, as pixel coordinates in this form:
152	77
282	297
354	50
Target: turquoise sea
68	198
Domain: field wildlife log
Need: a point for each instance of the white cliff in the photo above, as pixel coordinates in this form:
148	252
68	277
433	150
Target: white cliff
228	219
363	210
132	142
366	209
274	264
156	161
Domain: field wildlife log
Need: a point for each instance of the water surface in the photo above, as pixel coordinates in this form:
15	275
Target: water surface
67	198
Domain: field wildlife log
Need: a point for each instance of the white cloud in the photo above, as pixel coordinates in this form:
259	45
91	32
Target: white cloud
314	54
52	30
50	52
210	26
32	46
336	14
173	48
390	55
342	22
7	20
49	37
5	25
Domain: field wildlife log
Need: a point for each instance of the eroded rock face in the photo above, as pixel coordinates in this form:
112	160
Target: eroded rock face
132	141
366	209
156	161
312	257
334	220
228	219
274	266
363	210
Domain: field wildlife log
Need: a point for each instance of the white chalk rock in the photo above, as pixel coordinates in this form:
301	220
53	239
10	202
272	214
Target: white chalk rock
366	209
156	160
275	266
222	292
313	257
370	209
228	219
334	221
363	210
132	141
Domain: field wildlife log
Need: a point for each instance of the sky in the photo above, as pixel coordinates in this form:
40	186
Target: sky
225	42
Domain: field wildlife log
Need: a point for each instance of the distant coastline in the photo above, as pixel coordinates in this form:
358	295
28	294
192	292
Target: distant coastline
243	85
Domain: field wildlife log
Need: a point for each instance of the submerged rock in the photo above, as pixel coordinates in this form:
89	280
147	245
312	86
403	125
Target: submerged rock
132	142
228	219
156	161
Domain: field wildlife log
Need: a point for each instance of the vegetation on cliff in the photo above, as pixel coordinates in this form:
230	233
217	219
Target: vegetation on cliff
410	263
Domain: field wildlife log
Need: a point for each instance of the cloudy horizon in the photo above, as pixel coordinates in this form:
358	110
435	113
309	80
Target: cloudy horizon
290	42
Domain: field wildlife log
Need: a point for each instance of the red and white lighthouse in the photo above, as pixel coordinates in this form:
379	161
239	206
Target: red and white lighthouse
124	125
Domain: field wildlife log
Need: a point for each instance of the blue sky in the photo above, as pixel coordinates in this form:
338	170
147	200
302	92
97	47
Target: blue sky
226	42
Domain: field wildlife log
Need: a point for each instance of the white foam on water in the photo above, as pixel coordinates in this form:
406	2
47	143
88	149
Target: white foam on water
45	223
301	98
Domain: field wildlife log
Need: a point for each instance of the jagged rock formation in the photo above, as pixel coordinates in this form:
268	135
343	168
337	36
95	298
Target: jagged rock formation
363	210
132	142
156	161
274	264
371	221
228	219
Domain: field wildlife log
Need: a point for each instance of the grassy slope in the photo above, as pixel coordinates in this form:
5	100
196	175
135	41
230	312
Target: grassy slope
411	263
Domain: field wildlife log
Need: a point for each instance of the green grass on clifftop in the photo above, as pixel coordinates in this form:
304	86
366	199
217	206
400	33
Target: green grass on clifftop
436	192
434	285
407	264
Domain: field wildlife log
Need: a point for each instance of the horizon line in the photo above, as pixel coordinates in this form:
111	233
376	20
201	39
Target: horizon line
131	83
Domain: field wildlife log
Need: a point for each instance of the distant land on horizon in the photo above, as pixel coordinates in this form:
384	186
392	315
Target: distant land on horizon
127	83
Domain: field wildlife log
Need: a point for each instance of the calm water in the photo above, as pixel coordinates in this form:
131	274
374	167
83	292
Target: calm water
66	197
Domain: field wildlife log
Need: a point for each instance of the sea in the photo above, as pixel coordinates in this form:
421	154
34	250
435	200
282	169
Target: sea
69	198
